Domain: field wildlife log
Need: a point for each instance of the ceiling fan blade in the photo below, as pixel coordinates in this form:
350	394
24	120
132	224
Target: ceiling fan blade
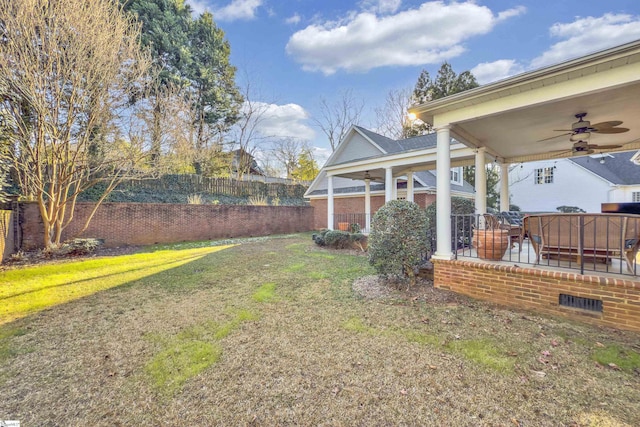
604	147
555	136
563	130
610	124
612	130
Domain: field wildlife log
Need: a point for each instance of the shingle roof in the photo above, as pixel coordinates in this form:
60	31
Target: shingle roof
618	169
392	146
427	177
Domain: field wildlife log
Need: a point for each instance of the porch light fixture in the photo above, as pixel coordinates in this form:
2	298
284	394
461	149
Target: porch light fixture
366	175
602	160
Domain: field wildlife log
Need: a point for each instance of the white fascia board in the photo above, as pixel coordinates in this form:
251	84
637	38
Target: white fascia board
594	65
400	159
321	175
341	146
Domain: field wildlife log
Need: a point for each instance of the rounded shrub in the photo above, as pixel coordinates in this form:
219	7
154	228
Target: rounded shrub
398	239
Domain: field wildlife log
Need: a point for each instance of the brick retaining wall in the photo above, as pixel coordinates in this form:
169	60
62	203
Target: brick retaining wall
539	290
148	223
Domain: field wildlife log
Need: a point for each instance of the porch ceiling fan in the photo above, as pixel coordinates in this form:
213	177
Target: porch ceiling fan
582	129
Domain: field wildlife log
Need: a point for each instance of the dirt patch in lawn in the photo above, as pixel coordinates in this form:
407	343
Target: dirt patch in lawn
378	287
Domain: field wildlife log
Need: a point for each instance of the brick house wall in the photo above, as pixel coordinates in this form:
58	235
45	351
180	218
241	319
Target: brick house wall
149	223
355	204
539	290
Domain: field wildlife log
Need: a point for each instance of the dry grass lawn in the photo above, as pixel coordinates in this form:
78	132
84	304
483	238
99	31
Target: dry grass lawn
272	333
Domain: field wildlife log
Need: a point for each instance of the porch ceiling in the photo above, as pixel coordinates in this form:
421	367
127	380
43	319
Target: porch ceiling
510	117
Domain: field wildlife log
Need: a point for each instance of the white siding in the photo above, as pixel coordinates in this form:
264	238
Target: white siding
572	186
355	147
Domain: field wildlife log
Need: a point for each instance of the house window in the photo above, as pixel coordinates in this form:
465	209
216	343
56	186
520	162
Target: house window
544	176
456	176
636	196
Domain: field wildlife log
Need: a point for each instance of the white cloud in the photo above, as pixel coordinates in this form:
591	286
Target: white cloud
293	20
321	155
488	72
199	6
430	34
283	121
589	34
238	10
380	6
510	13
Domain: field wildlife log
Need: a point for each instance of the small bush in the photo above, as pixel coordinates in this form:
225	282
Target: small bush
194	199
337	239
570	209
398	239
258	201
354	228
76	247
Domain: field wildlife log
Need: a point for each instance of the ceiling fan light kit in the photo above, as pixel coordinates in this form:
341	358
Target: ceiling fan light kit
581	131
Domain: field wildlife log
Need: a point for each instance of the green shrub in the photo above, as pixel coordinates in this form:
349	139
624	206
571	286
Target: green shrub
337	239
570	209
84	246
459	206
398	239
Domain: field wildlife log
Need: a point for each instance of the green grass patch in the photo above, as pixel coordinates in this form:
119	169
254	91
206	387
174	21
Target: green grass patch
627	360
6	334
318	275
420	338
28	290
355	324
483	352
265	293
295	267
172	367
190	352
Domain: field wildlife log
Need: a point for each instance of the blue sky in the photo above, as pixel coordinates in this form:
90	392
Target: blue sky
295	52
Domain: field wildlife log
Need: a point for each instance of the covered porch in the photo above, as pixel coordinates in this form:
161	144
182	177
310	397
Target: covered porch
526	118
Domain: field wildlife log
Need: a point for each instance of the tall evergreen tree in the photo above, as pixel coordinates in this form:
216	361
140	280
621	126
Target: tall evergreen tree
215	94
192	55
446	83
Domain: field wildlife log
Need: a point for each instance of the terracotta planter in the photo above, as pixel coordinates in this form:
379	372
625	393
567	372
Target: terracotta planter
491	244
343	226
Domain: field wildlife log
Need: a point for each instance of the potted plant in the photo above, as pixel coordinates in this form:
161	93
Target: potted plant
492	241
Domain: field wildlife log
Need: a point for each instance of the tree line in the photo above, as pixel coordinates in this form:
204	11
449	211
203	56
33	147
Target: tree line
123	89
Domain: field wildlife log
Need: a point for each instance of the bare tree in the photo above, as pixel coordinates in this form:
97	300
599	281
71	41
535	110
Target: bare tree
392	117
287	151
65	71
245	135
336	119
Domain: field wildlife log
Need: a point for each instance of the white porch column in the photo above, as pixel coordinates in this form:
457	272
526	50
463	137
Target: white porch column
410	186
330	202
367	204
504	187
388	184
395	189
443	194
481	182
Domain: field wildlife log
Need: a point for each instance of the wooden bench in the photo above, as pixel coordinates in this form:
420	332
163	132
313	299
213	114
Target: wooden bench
584	237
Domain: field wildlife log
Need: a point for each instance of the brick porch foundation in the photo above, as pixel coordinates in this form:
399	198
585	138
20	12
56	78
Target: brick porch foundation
539	290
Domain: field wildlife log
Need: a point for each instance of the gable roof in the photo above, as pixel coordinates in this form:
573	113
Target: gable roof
617	168
392	146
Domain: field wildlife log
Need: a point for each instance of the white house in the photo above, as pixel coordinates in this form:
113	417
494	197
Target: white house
584	182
